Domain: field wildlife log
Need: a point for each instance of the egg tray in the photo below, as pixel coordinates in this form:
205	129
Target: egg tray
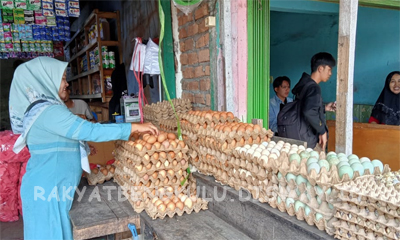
324	177
376	225
348	230
154	169
262	161
312	202
368	191
99	178
370	213
222	137
323	224
202	120
154	213
258	189
133	179
214	163
135	161
259	171
130	148
260	175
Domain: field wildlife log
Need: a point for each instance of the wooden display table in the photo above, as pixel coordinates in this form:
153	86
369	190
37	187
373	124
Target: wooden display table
98	213
375	141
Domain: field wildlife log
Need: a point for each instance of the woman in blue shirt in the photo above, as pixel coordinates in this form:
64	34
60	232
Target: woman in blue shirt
55	138
282	89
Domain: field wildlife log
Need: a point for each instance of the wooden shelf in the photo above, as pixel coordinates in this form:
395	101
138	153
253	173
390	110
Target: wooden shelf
91	71
81	52
97	95
73	38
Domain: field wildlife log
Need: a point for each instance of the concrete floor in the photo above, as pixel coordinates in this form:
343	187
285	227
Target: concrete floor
12	230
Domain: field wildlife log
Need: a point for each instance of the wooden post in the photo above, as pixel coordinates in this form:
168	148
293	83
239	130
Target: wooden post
345	73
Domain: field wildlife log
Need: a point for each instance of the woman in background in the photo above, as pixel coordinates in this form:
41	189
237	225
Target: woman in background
387	107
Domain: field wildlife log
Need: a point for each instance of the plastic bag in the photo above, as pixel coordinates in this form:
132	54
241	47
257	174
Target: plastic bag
187	6
7	140
9	174
151	65
139	52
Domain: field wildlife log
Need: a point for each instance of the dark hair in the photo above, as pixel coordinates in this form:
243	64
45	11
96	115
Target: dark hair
279	80
322	59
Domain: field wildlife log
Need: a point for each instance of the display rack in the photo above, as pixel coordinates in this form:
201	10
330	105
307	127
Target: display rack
89	82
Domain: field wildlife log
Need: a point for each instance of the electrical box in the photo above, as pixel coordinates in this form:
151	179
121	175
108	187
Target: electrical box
210	21
130	109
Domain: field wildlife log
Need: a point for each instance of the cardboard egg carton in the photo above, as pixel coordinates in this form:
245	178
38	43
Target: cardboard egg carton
323	178
209	117
149	181
388	227
164	161
348	230
323	224
140	150
243	137
370	191
169	125
154	168
155	212
98	177
164	110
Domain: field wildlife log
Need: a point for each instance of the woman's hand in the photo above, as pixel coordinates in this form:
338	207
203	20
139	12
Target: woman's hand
144	128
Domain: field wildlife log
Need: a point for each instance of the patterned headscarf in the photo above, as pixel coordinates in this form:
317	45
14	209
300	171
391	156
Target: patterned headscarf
387	107
36	81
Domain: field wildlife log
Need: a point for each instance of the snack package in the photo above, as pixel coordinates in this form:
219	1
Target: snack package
7	4
48	13
20	4
39	18
60	6
29	17
34	5
73	8
51	21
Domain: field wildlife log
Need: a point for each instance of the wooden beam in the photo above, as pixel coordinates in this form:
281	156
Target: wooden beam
345	74
177	50
386	4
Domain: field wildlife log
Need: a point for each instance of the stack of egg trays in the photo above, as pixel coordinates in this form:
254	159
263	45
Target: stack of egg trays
367	208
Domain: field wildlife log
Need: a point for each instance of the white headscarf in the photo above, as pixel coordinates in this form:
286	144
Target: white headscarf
36	80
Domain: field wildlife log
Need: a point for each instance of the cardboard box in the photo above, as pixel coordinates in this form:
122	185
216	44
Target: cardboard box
104	152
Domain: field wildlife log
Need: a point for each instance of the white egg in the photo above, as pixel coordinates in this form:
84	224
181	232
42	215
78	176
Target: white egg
273	156
265	152
247	146
301	147
265	144
261	146
250	151
281	142
257	154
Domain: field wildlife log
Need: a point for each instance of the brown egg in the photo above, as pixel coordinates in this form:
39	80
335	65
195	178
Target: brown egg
171	136
249	128
158	202
112	169
181	179
148	166
174	163
147	157
157	183
154	200
146	136
241	129
179	155
104	171
155	175
163	155
175	199
174	180
108	166
152	139
173	144
170	189
138	203
235	128
166	180
193	198
183	162
146	177
230	115
157	145
171	206
148	146
208	116
95	170
216	115
171	154
250	140
257	128
139	147
158	164
155	156
179	205
166	200
223	115
161	137
163	173
227	129
182	144
188	203
148	184
139	167
171	172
